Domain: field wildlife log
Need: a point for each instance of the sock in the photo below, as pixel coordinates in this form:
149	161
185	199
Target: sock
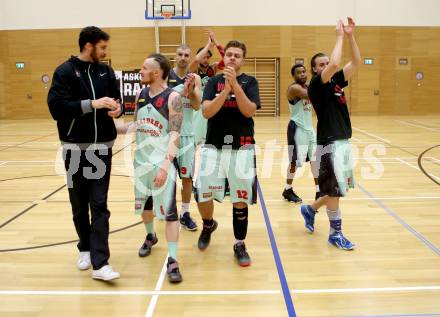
208	222
185	208
287	187
317	188
239	241
149	227
172	249
335	220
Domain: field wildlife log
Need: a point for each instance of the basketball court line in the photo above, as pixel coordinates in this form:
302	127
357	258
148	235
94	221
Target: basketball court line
400	315
221	292
416	168
159	284
372	135
38	138
401	221
279	265
418	126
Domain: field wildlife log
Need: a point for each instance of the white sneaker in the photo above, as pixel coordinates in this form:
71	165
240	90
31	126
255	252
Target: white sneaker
105	273
84	262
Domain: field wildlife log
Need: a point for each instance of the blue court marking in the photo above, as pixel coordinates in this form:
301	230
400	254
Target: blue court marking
405	315
401	221
276	255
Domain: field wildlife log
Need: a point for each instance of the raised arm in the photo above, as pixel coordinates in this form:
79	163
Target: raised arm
297	91
336	55
198	58
193	90
350	68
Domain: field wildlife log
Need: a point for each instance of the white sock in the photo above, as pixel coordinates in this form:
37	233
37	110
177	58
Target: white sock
287	187
317	188
185	208
239	241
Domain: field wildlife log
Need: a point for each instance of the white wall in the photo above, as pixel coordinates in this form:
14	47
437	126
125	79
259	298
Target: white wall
47	14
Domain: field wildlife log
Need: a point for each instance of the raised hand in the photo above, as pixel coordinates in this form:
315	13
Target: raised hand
230	76
339	28
190	82
349	28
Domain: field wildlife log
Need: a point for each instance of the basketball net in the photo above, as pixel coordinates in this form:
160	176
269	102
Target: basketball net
167	15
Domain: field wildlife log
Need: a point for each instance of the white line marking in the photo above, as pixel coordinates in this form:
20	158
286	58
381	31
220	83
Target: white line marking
415	167
139	293
368	198
372	135
416	125
3	163
223	292
366	290
153	301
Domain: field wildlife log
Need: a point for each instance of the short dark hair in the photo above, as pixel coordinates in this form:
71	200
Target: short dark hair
92	35
312	61
164	64
294	67
209	51
235	43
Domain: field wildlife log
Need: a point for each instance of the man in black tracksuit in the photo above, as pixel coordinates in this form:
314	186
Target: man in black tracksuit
84	99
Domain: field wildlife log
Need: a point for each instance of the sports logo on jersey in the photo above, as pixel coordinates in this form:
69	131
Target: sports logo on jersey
339	93
77	73
159	102
220	87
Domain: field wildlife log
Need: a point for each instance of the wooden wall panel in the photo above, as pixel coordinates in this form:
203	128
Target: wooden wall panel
23	95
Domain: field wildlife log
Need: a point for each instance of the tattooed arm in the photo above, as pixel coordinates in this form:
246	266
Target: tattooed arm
174	124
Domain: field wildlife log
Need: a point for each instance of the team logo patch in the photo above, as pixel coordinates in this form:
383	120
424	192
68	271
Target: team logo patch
207	195
159	102
77	74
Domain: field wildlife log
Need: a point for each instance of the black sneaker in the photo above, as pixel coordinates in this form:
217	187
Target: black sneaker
205	236
241	254
290	195
187	222
145	249
173	272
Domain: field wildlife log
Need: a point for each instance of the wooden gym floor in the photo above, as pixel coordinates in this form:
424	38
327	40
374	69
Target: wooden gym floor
393	216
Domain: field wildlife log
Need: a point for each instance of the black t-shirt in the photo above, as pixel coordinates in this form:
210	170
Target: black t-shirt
331	108
229	126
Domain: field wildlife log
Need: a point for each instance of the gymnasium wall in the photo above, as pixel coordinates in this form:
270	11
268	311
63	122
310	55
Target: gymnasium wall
47	14
44	33
382	88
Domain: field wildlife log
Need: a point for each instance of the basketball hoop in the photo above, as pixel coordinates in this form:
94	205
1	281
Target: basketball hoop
167	14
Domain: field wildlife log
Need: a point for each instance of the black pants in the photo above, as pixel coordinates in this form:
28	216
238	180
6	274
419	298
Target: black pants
88	179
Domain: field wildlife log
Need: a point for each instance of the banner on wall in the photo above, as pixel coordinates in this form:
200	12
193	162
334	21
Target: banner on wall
130	84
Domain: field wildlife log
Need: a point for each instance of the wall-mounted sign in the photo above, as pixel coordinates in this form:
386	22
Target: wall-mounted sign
299	61
403	61
19	65
368	61
419	75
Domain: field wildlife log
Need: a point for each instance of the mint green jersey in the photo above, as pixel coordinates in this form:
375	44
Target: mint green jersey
152	132
301	113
